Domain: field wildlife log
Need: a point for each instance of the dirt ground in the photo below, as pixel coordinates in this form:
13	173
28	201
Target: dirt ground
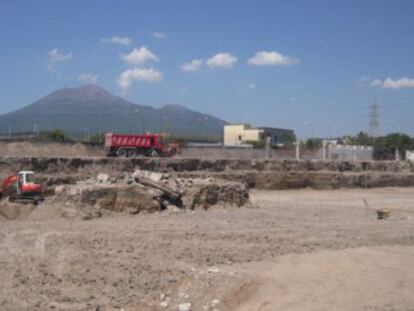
294	250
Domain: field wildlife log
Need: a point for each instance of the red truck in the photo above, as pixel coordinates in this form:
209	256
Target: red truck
132	145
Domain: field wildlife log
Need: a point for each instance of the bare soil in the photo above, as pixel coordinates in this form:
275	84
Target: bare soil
293	250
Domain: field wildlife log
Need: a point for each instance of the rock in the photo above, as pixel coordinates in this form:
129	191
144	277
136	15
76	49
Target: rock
164	304
153	176
184	307
132	210
173	209
60	189
184	295
74	191
87	216
102	178
215	302
213	270
70	213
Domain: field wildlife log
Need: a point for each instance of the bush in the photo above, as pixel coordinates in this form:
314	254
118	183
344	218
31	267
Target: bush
58	136
313	143
256	144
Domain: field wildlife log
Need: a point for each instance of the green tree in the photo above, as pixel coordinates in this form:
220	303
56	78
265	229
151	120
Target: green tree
289	139
385	147
58	135
313	143
97	139
363	139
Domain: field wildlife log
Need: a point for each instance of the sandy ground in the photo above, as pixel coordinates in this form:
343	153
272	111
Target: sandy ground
297	250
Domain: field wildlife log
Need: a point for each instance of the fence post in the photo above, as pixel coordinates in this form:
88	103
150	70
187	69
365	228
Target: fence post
297	149
268	142
323	150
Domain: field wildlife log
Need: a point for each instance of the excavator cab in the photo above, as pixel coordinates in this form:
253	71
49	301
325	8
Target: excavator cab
26	184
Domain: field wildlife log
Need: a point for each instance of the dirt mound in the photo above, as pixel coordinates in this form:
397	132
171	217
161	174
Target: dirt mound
12	211
145	191
120	199
206	194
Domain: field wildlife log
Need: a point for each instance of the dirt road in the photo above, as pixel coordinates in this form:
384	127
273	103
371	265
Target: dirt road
297	250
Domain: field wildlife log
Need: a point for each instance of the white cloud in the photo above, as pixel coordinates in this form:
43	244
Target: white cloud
222	60
194	65
56	56
376	82
137	74
271	58
159	35
88	78
139	56
117	40
389	83
398	84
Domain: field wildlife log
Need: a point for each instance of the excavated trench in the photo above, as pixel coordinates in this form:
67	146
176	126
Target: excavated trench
270	175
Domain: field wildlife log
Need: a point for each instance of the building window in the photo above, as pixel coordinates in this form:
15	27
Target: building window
240	137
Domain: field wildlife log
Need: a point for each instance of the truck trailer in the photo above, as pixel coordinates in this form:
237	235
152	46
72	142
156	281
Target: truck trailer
133	145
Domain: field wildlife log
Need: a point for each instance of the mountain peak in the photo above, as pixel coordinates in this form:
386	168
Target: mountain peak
83	93
91	88
90	106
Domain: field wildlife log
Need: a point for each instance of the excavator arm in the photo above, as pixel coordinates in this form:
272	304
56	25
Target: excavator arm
7	182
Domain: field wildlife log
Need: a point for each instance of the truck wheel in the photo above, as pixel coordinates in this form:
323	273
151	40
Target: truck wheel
154	153
132	153
122	153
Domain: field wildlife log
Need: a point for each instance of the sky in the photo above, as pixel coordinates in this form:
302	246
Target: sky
313	66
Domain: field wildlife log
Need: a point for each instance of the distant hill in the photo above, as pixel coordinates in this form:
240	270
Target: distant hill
90	108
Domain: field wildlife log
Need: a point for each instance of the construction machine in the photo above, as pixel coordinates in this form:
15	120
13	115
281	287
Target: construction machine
21	188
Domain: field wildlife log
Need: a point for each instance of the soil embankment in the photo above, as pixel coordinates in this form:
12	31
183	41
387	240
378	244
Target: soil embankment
270	175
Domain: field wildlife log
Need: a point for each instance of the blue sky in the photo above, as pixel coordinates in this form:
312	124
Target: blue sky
294	64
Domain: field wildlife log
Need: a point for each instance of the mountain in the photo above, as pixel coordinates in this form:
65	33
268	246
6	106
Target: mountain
89	108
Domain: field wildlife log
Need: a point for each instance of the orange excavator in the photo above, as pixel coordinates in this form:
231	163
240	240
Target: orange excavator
22	188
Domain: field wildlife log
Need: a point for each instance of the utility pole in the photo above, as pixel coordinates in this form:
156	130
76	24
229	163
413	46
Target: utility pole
374	120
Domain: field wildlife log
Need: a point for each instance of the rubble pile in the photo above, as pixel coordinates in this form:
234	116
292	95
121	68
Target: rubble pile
146	191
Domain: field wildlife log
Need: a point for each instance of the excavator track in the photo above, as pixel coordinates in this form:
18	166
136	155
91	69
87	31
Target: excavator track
26	199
